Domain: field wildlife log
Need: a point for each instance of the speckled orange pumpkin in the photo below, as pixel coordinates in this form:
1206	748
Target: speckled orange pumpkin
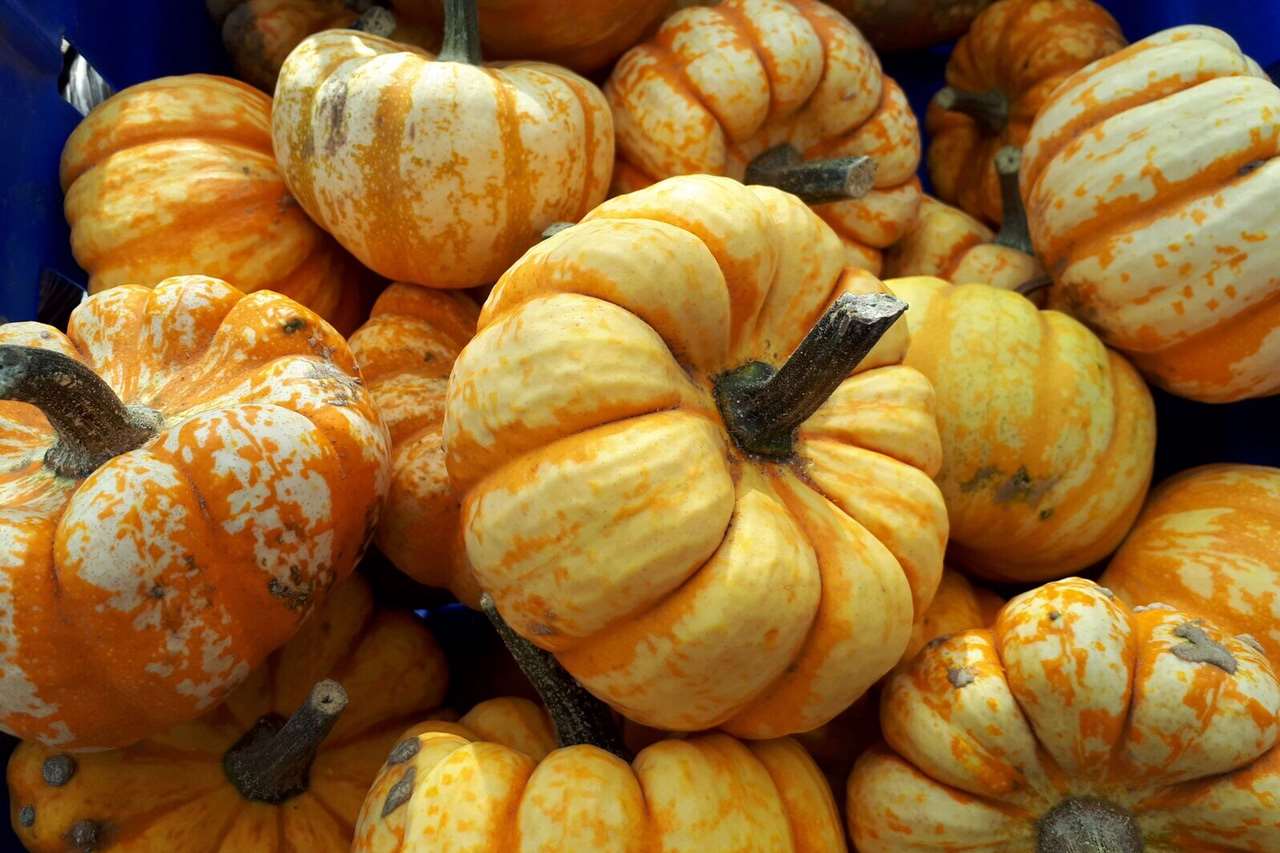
175	176
698	547
437	170
720	85
1048	437
1076	724
998	78
948	243
583	35
187	471
242	778
1208	543
1148	179
405	353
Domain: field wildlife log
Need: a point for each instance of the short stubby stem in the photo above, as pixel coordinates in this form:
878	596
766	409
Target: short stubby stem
1088	825
813	181
762	407
1015	233
376	21
272	762
91	422
579	717
989	109
461	40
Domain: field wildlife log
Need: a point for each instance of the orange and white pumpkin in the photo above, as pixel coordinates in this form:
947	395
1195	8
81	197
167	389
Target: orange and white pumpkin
186	473
1148	178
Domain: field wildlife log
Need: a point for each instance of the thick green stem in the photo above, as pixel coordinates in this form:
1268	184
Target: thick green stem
814	181
989	109
91	422
1014	230
461	42
579	717
762	407
272	762
1088	825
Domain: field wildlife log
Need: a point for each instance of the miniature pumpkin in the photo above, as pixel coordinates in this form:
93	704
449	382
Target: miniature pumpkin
1208	542
442	791
950	244
436	170
957	606
242	778
910	24
258	34
998	77
1075	724
405	353
584	35
1048	437
176	175
512	721
786	93
637	487
1148	178
187	471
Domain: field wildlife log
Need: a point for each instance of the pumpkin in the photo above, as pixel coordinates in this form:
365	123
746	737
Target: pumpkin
780	92
950	244
636	483
1147	180
1075	724
437	170
443	791
1048	437
1208	542
405	352
910	24
957	606
258	34
186	472
279	766
998	77
584	35
177	175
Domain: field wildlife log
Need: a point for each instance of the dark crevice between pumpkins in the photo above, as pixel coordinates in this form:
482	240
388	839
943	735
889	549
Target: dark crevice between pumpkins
579	717
762	407
813	181
461	41
1088	825
92	424
272	762
989	109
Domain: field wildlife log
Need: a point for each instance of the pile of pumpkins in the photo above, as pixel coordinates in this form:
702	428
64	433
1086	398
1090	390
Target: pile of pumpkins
685	383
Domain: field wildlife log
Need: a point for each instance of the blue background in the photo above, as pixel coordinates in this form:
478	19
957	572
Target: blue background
129	43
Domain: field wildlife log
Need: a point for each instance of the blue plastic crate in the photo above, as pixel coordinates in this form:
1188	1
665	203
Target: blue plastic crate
129	43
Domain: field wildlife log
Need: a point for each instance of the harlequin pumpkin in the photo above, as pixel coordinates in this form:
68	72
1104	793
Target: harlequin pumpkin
957	606
243	778
176	175
1208	542
1147	180
1075	724
585	35
948	243
786	93
436	170
444	791
998	78
187	471
405	353
910	24
514	722
637	486
258	34
1048	437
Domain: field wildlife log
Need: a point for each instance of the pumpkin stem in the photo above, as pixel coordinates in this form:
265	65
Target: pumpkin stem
555	228
578	716
91	422
813	181
376	21
461	41
762	407
272	762
989	109
1033	286
1088	825
1015	233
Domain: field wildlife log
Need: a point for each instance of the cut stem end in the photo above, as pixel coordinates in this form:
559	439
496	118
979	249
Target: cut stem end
813	181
